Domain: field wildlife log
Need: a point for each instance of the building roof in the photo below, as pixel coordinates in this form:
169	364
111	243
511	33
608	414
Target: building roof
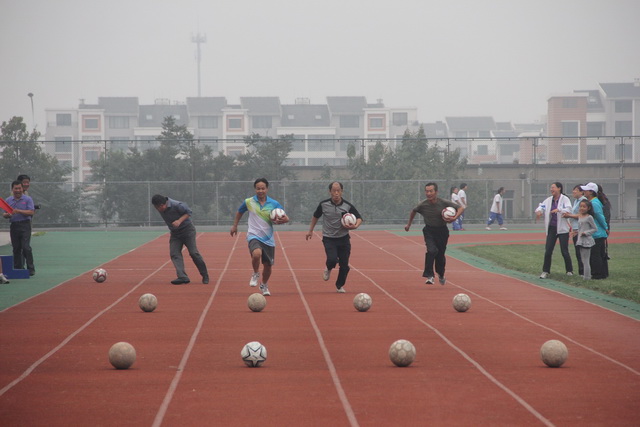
153	115
305	115
119	105
621	90
261	105
470	123
206	105
346	104
594	99
435	130
505	126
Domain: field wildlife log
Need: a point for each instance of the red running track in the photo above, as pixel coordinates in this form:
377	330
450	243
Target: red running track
328	363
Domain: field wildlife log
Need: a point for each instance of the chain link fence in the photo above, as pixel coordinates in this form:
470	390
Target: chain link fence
128	204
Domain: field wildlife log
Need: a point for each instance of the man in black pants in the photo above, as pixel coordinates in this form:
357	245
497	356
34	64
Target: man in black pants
20	229
335	236
435	231
177	216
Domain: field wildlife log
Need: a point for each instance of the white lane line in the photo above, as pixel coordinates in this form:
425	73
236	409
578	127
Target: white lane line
477	365
162	410
353	421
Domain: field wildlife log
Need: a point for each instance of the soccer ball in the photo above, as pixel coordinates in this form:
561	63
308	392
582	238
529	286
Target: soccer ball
462	302
99	275
276	213
348	219
256	302
402	353
253	354
362	302
554	353
148	303
448	213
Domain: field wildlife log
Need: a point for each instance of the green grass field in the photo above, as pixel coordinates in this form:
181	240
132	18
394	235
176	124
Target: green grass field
623	280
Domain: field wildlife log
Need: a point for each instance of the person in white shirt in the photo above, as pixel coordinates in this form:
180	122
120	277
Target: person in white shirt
496	211
462	194
557	228
455	199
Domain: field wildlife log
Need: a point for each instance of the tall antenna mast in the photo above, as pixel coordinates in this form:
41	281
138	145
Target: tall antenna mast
198	39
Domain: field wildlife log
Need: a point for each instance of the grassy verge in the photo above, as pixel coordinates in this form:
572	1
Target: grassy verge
624	266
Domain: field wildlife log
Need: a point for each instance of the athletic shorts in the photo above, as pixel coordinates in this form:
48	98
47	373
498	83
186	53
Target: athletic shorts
268	252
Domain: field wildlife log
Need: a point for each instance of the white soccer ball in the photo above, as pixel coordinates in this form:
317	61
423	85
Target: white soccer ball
461	302
448	213
554	353
253	354
99	275
256	302
276	213
402	353
148	303
348	219
362	302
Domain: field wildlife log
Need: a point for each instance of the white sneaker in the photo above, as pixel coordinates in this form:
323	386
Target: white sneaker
326	274
3	279
429	281
569	273
544	275
255	277
265	290
487	228
341	291
503	228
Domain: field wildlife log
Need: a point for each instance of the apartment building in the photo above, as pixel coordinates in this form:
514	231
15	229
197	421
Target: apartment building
604	116
322	132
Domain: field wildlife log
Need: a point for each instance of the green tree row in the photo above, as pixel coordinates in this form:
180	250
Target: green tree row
179	167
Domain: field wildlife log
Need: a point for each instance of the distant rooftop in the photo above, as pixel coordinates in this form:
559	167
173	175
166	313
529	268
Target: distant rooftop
621	90
346	104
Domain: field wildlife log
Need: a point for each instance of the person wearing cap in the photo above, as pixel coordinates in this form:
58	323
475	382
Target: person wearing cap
598	257
557	228
578	196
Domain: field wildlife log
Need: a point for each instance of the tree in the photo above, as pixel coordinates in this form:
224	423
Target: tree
265	157
415	158
23	154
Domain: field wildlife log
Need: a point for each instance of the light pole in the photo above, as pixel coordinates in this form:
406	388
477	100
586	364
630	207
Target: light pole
33	115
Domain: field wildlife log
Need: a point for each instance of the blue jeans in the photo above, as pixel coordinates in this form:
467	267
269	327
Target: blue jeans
493	216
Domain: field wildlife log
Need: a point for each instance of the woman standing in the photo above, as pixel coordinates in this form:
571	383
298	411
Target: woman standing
557	228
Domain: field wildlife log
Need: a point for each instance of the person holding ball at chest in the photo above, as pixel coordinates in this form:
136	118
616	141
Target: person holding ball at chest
262	245
335	233
435	231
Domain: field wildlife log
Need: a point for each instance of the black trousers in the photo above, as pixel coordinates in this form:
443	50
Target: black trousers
20	233
436	239
598	259
338	251
552	236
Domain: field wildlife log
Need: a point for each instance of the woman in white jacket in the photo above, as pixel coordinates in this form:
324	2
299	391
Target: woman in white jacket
557	228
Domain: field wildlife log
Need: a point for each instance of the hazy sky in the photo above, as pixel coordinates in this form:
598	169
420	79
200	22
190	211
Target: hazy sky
500	58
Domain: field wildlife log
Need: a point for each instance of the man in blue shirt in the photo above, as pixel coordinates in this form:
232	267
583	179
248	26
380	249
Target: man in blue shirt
177	216
20	229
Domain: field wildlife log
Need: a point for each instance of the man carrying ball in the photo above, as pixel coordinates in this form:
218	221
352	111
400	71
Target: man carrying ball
435	231
260	234
335	235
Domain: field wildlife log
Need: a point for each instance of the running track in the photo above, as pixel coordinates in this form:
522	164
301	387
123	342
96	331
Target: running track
328	364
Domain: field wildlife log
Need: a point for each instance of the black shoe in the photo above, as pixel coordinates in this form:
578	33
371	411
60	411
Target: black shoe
32	272
205	280
180	281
